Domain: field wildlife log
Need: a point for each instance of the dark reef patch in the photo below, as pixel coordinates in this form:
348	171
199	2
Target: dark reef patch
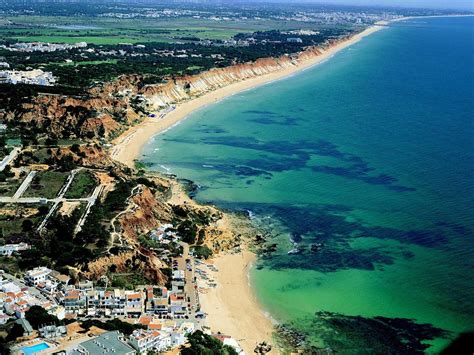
207	129
296	155
327	224
359	335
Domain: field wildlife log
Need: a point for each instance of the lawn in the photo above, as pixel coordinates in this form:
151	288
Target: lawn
107	31
82	185
46	184
9	187
89	62
17	222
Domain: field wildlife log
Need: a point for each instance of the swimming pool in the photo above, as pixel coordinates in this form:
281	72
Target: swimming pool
30	350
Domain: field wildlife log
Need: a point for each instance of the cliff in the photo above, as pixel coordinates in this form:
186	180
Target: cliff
147	213
110	108
139	261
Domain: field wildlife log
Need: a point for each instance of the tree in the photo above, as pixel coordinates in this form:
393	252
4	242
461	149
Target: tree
202	343
66	163
15	332
75	148
27	225
187	230
38	316
51	141
202	252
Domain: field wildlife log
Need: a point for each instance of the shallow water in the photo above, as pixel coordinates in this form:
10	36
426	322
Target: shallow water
370	153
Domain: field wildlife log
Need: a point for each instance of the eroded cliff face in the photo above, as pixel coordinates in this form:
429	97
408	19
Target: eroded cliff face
90	155
139	260
146	213
110	108
67	117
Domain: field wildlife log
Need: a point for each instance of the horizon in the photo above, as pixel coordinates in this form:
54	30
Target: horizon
459	5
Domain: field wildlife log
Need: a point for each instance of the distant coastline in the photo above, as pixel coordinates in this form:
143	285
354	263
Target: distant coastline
128	146
224	304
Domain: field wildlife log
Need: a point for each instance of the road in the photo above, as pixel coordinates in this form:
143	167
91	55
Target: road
91	200
189	288
61	194
9	158
68	183
24	185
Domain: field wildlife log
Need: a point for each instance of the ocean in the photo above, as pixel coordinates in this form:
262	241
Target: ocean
365	165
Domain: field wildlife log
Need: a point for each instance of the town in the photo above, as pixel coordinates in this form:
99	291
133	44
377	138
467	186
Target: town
103	249
157	318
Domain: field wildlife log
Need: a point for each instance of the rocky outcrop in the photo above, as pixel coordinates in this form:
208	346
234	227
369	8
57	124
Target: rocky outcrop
138	261
85	155
146	214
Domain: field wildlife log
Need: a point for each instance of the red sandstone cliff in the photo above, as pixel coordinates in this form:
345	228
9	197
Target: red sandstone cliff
108	109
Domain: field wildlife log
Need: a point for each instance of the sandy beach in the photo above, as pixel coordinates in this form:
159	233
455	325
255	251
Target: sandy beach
231	307
128	146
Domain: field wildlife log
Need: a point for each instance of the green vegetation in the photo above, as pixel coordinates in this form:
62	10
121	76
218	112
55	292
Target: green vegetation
82	185
95	230
18	223
128	281
6	173
147	243
187	230
8	184
202	252
16	331
57	247
38	316
201	343
46	184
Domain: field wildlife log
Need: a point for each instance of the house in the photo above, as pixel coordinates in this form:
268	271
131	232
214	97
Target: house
52	331
177	339
145	341
227	340
294	40
37	275
134	303
75	301
9	249
109	342
4	318
59	278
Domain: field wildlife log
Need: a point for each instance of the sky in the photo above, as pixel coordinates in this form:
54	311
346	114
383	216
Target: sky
440	4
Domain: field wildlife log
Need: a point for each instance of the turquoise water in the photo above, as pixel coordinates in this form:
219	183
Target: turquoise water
369	153
30	350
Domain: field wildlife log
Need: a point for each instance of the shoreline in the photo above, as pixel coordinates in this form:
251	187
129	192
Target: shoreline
128	146
232	307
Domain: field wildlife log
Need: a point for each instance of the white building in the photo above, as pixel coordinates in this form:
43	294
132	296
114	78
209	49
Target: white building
9	249
145	341
37	275
32	77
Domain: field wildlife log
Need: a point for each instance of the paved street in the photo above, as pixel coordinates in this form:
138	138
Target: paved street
9	158
24	185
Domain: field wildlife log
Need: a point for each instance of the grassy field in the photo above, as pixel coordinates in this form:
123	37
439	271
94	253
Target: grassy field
18	222
14	226
82	185
103	31
89	62
9	187
46	184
